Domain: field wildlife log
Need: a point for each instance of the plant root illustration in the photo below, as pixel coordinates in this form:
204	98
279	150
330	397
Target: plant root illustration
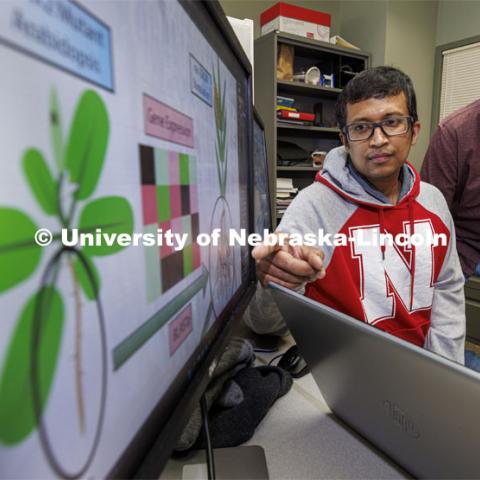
221	257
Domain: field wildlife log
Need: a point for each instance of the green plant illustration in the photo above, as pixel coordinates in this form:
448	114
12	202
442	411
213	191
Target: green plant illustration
221	263
63	192
221	148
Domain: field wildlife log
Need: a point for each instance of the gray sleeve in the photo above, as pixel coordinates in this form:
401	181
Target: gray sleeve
263	315
446	336
317	210
302	216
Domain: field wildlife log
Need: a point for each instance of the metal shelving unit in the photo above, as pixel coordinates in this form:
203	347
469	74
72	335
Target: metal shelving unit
329	59
309	128
296	169
303	88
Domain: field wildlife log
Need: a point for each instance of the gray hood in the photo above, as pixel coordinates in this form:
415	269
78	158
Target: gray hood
337	175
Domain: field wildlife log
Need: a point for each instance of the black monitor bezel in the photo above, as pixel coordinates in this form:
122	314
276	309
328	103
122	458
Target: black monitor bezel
257	118
150	449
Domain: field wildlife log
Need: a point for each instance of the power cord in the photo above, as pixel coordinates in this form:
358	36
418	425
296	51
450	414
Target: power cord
209	449
274	358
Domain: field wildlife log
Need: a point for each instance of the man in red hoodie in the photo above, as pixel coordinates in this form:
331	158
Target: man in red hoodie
411	289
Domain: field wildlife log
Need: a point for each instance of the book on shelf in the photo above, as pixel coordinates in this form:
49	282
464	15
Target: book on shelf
293	122
285	101
302	116
284	203
288	109
285	193
284	183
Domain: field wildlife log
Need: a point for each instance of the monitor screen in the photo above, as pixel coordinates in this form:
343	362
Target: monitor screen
126	134
261	193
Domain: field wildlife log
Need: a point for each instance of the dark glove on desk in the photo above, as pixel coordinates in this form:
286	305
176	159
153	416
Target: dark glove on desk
238	355
261	387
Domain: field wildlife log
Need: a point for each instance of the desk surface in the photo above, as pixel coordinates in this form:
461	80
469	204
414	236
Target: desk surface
302	439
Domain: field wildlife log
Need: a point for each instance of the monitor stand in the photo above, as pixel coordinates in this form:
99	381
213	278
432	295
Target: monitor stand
236	463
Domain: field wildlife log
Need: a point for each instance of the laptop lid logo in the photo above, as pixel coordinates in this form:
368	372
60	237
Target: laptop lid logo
400	419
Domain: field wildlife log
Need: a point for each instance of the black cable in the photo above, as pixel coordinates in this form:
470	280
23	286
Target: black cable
209	449
274	358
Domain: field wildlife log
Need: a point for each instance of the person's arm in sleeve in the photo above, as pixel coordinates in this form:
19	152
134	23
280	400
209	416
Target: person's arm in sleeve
291	267
262	314
440	166
446	335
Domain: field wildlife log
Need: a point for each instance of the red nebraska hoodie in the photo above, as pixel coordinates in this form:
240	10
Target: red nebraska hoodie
412	289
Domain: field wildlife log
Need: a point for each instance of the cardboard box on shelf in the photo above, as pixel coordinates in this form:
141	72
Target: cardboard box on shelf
296	20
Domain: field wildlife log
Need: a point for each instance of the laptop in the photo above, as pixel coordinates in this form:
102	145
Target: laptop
419	408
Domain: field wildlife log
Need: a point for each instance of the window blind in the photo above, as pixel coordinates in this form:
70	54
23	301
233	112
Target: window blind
460	78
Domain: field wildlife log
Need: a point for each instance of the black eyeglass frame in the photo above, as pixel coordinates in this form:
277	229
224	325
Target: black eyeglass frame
380	124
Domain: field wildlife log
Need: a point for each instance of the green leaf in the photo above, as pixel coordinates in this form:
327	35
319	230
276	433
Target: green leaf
87	143
17	414
113	215
40	179
56	131
219	172
85	278
222	105
225	173
19	254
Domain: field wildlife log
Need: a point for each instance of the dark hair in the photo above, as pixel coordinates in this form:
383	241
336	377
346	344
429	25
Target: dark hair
376	82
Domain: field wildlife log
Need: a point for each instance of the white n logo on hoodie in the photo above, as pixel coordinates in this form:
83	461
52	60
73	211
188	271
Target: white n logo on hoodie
379	278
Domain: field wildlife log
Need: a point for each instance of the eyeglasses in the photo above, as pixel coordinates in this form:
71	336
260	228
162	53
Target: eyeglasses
390	127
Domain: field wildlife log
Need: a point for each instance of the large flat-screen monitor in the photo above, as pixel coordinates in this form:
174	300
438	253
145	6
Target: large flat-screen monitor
126	142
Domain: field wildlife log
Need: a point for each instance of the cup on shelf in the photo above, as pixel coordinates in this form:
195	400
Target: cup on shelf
312	76
318	157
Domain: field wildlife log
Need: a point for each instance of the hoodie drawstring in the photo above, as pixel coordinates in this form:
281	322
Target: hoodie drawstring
382	228
412	246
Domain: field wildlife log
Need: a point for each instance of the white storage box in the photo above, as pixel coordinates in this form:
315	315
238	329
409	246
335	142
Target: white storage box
296	20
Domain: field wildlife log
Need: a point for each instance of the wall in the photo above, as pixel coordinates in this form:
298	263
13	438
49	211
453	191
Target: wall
457	20
253	8
410	46
364	23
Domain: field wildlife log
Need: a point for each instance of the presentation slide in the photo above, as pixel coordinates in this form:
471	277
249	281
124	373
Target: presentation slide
119	126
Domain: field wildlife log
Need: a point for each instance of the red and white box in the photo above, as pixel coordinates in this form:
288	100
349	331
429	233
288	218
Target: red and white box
296	20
